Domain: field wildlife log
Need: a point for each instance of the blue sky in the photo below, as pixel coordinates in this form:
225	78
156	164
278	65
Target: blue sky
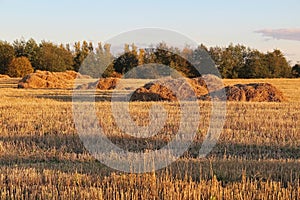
264	24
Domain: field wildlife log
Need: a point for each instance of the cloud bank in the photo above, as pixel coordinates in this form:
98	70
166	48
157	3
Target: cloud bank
281	34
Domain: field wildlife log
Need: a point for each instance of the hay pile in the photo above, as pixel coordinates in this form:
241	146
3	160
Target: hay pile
254	92
3	76
101	84
45	79
214	82
159	90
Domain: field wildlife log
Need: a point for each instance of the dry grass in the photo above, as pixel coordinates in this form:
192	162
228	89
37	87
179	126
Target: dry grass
42	157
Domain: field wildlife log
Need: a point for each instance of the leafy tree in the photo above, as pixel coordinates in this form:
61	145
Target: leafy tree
50	57
141	56
255	66
78	56
233	61
125	62
19	47
230	60
296	71
277	64
31	51
19	67
107	63
98	63
81	53
6	55
27	49
202	62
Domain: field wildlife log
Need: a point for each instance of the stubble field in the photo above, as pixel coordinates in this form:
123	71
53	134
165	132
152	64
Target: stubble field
42	157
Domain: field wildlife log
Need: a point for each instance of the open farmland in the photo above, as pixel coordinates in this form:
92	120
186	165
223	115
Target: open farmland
41	156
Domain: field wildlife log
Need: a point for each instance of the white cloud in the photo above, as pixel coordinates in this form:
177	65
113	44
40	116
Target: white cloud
284	34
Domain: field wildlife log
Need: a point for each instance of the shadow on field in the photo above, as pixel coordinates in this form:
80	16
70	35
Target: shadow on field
66	153
86	97
72	144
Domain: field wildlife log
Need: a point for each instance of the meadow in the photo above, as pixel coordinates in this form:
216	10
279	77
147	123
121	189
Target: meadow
42	157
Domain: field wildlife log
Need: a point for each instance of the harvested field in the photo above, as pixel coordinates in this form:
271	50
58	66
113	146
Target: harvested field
41	155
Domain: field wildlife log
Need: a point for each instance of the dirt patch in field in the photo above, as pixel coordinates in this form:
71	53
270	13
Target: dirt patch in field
3	76
45	79
160	90
254	92
101	84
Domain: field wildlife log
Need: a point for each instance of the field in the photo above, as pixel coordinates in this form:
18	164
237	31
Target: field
41	156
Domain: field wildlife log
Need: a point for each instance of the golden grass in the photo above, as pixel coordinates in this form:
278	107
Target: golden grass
42	157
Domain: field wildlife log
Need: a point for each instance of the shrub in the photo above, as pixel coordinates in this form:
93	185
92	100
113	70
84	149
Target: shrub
19	67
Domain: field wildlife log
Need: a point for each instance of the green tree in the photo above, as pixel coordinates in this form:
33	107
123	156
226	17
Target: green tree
202	62
53	58
6	55
81	53
31	51
107	62
19	67
233	60
27	49
125	62
19	47
98	63
255	66
296	71
277	64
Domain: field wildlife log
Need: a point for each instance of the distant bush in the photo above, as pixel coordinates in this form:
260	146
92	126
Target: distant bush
19	67
296	71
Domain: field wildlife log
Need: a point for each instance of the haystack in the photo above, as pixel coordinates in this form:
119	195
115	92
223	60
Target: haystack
101	84
3	76
254	92
160	90
45	79
210	81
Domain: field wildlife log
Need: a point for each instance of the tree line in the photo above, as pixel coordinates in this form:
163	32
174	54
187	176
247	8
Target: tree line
234	61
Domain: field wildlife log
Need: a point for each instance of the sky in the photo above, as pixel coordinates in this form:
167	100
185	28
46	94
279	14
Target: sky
260	24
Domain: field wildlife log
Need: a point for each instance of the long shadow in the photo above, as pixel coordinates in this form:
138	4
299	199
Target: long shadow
72	143
88	96
261	162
